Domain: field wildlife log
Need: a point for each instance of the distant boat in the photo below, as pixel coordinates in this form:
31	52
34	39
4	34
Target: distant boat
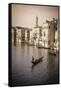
36	61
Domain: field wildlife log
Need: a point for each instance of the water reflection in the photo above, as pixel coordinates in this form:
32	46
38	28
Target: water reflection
25	73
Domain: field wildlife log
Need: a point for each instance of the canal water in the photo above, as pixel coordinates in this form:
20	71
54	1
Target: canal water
24	73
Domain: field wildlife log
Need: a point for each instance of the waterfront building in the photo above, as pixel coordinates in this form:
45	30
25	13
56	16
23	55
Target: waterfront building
35	34
21	34
53	32
45	36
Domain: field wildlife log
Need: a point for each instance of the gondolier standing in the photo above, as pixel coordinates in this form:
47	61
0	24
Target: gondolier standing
32	59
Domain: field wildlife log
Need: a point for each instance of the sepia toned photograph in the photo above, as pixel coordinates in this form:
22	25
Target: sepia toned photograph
33	44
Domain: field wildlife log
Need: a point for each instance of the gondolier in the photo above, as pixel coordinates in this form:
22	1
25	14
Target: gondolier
33	59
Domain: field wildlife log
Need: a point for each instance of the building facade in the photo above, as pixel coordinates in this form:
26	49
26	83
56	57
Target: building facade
45	36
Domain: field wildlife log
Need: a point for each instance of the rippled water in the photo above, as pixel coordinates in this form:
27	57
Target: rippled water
23	73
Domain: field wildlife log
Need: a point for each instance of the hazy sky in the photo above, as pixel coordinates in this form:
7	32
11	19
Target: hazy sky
25	15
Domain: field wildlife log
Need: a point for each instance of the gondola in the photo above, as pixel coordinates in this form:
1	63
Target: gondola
36	61
53	52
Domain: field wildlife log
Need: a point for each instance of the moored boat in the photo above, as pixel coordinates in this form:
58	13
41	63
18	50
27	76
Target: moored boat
53	52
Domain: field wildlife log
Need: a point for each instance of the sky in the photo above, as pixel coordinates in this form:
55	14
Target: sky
25	15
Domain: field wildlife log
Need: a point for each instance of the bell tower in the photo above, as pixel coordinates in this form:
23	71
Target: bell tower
36	21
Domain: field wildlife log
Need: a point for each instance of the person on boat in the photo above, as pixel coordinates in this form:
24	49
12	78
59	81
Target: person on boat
33	59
